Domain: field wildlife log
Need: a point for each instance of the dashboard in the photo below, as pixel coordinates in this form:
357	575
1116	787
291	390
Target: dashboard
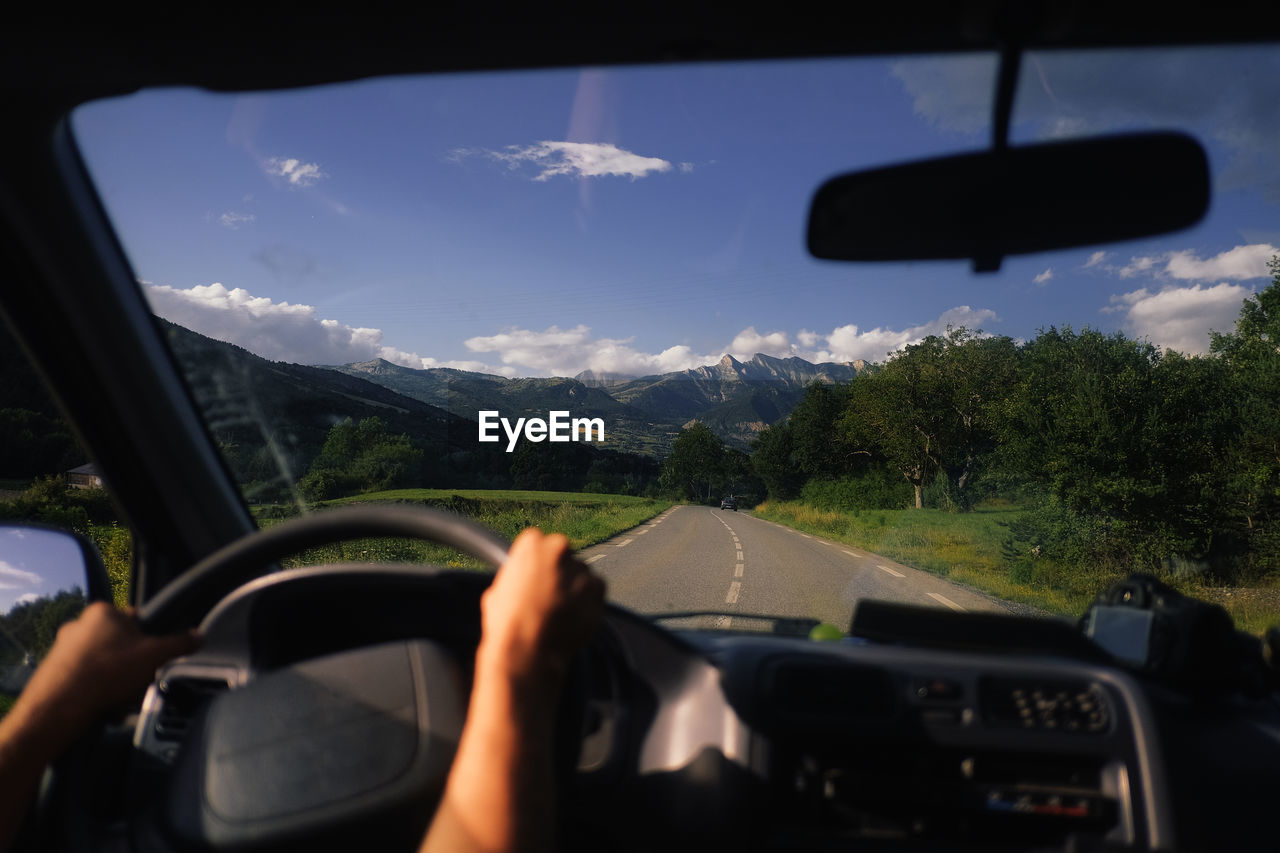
674	740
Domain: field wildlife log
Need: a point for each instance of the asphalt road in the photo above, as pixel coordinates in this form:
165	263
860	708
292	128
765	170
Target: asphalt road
699	558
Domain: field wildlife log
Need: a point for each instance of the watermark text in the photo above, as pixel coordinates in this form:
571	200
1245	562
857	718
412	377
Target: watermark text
558	426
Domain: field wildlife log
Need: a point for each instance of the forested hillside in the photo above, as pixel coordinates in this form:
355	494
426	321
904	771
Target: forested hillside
1123	454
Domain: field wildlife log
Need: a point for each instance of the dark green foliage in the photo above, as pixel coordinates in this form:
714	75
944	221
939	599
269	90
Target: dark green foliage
1128	442
361	457
32	625
773	460
50	501
694	468
701	468
931	411
818	449
877	488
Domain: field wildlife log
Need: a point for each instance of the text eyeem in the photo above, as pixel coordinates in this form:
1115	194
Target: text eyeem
558	426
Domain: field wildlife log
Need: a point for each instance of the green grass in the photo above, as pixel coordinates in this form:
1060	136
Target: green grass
584	518
967	548
430	496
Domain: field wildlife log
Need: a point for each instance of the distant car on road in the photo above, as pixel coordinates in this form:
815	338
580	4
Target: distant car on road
729	503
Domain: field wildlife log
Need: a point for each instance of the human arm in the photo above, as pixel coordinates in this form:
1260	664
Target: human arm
499	798
98	662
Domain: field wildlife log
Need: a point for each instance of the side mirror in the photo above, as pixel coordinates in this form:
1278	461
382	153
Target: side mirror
47	576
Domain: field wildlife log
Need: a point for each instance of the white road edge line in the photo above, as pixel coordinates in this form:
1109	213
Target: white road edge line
734	589
892	572
623	543
944	600
590	560
850	553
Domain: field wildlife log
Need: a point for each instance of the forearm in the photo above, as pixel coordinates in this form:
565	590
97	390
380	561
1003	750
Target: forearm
31	736
500	792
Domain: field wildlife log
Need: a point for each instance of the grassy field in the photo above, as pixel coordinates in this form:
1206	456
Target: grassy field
966	547
584	518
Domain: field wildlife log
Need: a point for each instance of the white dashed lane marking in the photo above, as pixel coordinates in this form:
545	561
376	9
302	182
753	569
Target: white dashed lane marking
850	553
890	571
739	555
623	543
737	570
590	560
944	600
734	589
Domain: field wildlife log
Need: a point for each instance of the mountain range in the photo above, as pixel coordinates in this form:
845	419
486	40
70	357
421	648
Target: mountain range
737	399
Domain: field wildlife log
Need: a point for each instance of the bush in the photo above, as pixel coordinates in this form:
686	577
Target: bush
877	489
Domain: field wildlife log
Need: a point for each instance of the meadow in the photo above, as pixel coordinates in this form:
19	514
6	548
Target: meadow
585	518
968	547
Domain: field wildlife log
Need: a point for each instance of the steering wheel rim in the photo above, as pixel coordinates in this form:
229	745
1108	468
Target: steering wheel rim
188	598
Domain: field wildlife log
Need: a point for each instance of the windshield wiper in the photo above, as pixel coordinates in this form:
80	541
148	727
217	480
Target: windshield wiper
791	626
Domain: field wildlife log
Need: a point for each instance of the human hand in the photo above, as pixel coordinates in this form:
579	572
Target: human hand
541	608
99	661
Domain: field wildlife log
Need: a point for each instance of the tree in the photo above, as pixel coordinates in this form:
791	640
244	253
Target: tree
1126	439
977	374
899	413
695	467
361	457
773	460
1252	354
815	440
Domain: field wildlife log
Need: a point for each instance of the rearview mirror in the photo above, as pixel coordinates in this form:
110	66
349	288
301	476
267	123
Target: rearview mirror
46	578
1013	201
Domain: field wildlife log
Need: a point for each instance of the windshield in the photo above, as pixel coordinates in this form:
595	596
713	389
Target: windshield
581	299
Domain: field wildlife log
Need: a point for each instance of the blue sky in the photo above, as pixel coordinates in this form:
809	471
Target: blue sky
37	563
643	220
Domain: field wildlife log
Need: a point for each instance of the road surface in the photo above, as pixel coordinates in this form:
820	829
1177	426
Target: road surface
699	558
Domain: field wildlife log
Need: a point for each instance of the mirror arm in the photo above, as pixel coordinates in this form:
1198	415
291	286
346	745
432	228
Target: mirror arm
989	259
1006	88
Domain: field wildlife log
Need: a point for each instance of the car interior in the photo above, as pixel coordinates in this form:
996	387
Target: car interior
325	704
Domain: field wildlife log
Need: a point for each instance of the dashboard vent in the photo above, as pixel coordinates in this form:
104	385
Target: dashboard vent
181	700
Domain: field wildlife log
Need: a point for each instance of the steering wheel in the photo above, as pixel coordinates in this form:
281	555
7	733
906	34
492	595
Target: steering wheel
346	751
186	600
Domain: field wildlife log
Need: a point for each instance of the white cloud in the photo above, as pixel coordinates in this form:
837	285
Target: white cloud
294	171
577	159
1095	259
566	352
748	342
686	167
1137	266
12	577
1044	277
281	331
1180	318
233	219
849	343
952	92
28	597
1238	264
